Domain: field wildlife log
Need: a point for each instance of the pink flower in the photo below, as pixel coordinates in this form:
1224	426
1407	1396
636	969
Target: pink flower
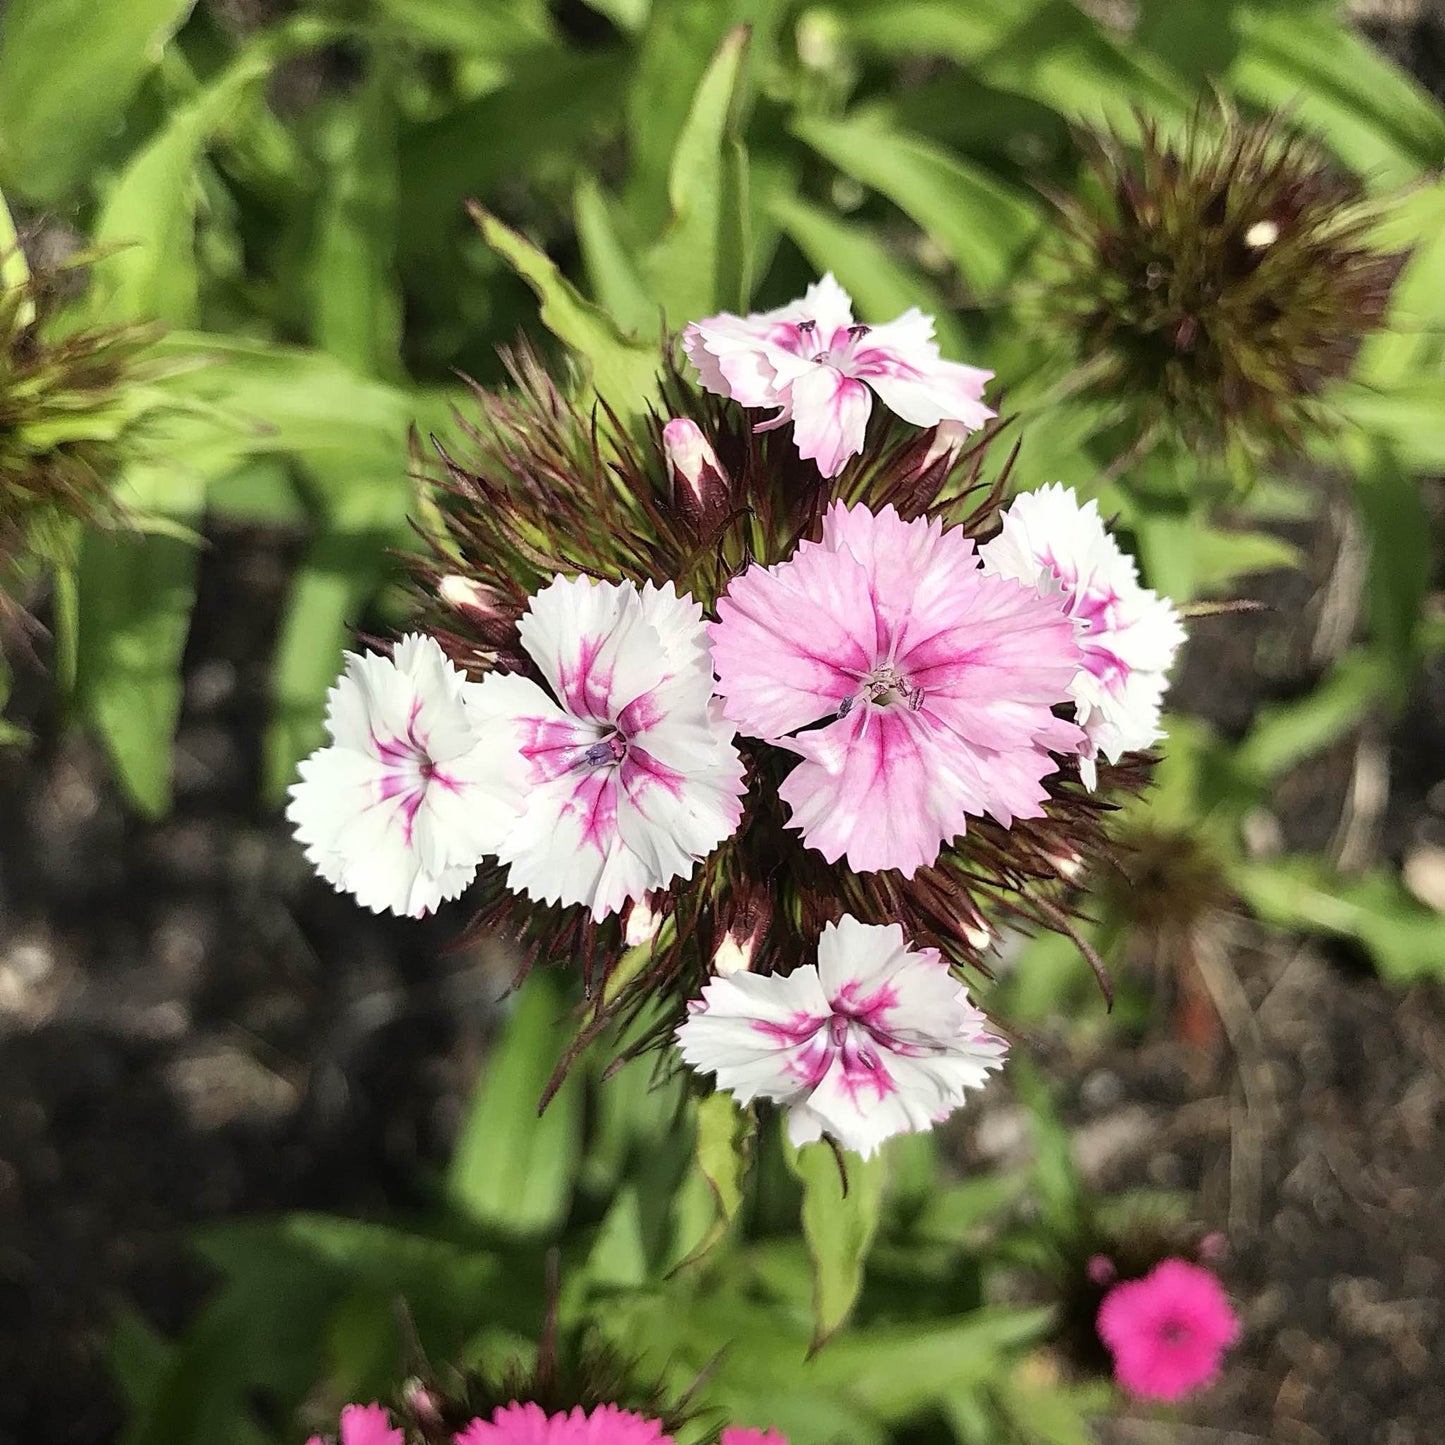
1168	1331
739	1436
813	362
365	1425
876	1039
1128	635
935	684
626	770
529	1424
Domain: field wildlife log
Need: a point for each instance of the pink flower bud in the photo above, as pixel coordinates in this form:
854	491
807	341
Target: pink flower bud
946	444
642	924
1101	1270
480	604
699	483
734	954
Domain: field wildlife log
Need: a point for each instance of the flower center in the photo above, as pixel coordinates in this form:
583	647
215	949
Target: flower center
833	352
885	686
1173	1332
604	752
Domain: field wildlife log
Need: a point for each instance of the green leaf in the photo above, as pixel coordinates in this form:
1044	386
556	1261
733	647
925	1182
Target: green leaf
355	302
1409	415
513	1169
724	1147
985	227
838	1226
135	595
700	263
1398	526
148	221
881	285
1222	556
1335	84
68	70
483	28
1402	936
1285	734
609	259
14	270
1048	50
680	42
623	372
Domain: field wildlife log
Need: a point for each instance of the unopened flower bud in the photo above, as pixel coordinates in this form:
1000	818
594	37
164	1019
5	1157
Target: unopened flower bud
643	921
945	445
699	483
1102	1270
978	934
1067	864
479	603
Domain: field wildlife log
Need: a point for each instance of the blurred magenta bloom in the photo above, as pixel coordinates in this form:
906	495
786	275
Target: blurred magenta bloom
530	1424
821	369
1168	1331
916	690
365	1425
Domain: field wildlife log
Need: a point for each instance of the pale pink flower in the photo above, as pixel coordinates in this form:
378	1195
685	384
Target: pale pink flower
365	1425
821	369
934	681
1128	635
627	768
1168	1331
876	1039
406	800
529	1424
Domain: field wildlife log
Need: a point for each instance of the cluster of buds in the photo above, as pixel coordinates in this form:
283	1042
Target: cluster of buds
770	732
1220	280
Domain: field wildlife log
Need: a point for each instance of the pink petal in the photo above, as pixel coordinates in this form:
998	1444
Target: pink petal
830	417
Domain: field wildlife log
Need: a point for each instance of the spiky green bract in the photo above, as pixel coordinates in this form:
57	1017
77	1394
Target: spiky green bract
67	400
1215	283
545	488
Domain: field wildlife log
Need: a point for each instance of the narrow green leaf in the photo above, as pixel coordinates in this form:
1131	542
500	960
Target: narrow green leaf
355	302
724	1148
68	70
610	262
881	285
838	1227
985	227
148	221
1398	526
1367	110
1287	733
514	1169
1409	415
1049	50
699	263
621	371
1405	939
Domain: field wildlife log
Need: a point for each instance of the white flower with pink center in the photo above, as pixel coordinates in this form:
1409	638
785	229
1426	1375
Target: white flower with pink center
916	690
821	369
876	1039
1127	634
626	766
407	799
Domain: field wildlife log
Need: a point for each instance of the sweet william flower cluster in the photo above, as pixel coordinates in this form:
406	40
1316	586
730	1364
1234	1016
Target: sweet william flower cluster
776	730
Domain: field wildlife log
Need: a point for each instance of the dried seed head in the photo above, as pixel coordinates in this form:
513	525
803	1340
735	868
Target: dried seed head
1218	282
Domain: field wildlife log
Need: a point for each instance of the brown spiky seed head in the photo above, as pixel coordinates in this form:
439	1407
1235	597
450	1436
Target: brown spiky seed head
1216	282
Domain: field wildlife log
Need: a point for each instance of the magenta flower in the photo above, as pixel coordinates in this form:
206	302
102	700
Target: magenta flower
530	1424
932	682
821	369
876	1039
739	1436
1168	1331
365	1425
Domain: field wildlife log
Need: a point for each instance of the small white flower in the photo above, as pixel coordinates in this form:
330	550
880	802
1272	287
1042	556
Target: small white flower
628	771
876	1039
1128	635
407	799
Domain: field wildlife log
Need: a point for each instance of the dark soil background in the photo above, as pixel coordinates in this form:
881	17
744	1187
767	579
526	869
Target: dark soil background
192	1027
